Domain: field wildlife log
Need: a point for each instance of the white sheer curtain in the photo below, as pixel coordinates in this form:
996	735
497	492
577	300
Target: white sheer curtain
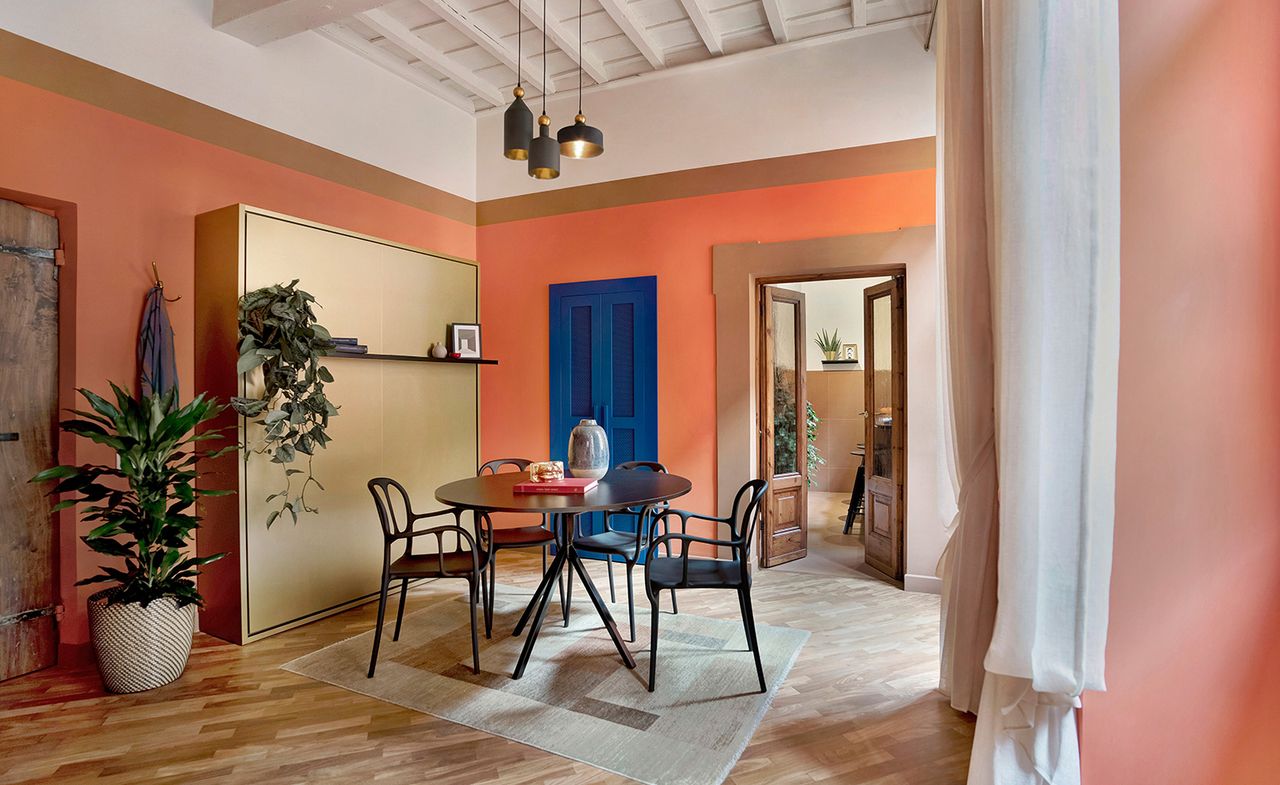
1045	75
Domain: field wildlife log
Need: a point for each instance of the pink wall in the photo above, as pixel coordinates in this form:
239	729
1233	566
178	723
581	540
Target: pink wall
673	240
1193	658
136	190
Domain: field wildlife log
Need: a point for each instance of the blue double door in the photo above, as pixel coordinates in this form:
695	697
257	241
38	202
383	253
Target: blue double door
604	367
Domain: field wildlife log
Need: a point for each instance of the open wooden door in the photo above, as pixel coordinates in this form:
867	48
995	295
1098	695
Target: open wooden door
886	422
783	433
28	411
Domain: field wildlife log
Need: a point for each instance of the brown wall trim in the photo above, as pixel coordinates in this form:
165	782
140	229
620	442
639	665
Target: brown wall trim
50	69
41	66
904	156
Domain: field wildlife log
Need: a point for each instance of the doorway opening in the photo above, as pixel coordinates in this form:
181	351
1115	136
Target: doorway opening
832	417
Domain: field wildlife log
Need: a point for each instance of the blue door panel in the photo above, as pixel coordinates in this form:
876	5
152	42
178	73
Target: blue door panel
604	367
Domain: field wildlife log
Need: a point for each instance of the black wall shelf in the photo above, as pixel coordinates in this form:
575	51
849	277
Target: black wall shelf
413	358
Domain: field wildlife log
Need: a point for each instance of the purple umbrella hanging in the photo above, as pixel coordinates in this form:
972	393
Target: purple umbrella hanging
157	370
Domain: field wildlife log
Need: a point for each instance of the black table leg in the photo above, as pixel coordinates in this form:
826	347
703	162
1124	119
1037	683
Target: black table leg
548	580
598	601
541	598
565	555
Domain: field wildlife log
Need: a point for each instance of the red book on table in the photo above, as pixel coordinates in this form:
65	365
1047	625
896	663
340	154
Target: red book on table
565	485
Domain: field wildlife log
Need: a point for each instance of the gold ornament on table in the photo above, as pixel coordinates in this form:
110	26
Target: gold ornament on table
546	471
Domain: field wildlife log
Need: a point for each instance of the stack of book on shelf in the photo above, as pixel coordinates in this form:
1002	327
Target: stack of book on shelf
348	346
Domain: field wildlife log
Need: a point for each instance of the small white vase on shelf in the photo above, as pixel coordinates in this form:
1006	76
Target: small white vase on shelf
439	351
588	450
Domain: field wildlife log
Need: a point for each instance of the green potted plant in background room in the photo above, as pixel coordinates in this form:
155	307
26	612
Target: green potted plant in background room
829	344
144	514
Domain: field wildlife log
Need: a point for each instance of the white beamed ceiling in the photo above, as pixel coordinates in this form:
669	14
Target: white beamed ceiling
464	50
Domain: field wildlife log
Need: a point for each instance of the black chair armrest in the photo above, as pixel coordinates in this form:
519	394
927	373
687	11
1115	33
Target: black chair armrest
684	540
462	534
685	516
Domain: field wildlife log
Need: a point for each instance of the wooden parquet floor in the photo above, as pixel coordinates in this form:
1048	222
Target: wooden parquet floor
858	707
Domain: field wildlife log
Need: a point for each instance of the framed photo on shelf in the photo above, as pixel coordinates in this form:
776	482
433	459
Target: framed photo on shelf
464	340
849	351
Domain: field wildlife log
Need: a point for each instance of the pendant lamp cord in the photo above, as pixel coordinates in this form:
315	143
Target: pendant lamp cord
544	57
579	56
519	45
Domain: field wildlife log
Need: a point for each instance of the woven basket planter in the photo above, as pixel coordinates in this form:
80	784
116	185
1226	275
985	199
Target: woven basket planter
140	648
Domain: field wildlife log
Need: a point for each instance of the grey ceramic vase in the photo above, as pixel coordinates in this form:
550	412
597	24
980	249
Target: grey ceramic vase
588	450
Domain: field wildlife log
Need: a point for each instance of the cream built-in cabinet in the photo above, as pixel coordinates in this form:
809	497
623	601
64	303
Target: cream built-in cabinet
414	421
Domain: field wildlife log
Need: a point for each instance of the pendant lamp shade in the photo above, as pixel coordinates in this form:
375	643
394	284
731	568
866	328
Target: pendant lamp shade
580	140
517	128
544	153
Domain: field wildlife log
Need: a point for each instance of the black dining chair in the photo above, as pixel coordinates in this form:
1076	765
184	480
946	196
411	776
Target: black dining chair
686	572
629	545
399	523
494	540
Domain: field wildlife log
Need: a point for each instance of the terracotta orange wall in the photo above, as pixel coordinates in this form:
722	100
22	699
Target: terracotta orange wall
1193	658
672	240
136	190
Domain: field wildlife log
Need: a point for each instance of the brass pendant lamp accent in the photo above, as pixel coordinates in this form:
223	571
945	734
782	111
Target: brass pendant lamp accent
517	121
544	152
580	140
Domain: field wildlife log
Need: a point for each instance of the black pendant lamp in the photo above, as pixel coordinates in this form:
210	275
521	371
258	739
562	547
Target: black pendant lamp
544	152
580	140
517	121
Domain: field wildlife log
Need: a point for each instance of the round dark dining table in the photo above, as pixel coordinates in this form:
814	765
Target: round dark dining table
617	489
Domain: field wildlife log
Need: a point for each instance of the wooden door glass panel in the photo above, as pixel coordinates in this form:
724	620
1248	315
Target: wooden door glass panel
783	439
880	408
885	385
785	384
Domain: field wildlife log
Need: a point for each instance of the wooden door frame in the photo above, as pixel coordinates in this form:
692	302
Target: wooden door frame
899	273
765	412
895	289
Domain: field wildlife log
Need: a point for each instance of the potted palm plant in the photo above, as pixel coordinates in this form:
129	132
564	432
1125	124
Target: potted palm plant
829	343
143	513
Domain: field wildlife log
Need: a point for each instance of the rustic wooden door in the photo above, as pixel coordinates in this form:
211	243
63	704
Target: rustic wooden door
884	318
784	437
28	412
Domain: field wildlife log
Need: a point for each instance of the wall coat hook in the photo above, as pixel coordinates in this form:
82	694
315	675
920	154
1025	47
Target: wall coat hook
155	275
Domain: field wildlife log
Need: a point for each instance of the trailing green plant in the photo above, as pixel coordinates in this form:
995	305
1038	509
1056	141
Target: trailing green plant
279	334
828	343
784	429
142	509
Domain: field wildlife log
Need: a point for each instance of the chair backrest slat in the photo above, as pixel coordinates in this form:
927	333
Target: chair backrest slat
498	464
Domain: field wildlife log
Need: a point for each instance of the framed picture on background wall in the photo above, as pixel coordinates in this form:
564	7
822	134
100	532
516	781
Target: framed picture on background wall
464	340
849	351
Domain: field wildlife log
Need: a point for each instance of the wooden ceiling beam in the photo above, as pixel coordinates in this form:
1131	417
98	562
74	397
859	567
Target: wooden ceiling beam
398	33
489	42
777	22
702	23
565	40
859	9
262	21
634	30
353	41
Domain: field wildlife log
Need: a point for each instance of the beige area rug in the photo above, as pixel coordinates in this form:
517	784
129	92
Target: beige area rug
577	699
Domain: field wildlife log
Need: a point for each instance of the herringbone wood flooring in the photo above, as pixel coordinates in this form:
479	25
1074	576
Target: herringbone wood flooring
859	707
